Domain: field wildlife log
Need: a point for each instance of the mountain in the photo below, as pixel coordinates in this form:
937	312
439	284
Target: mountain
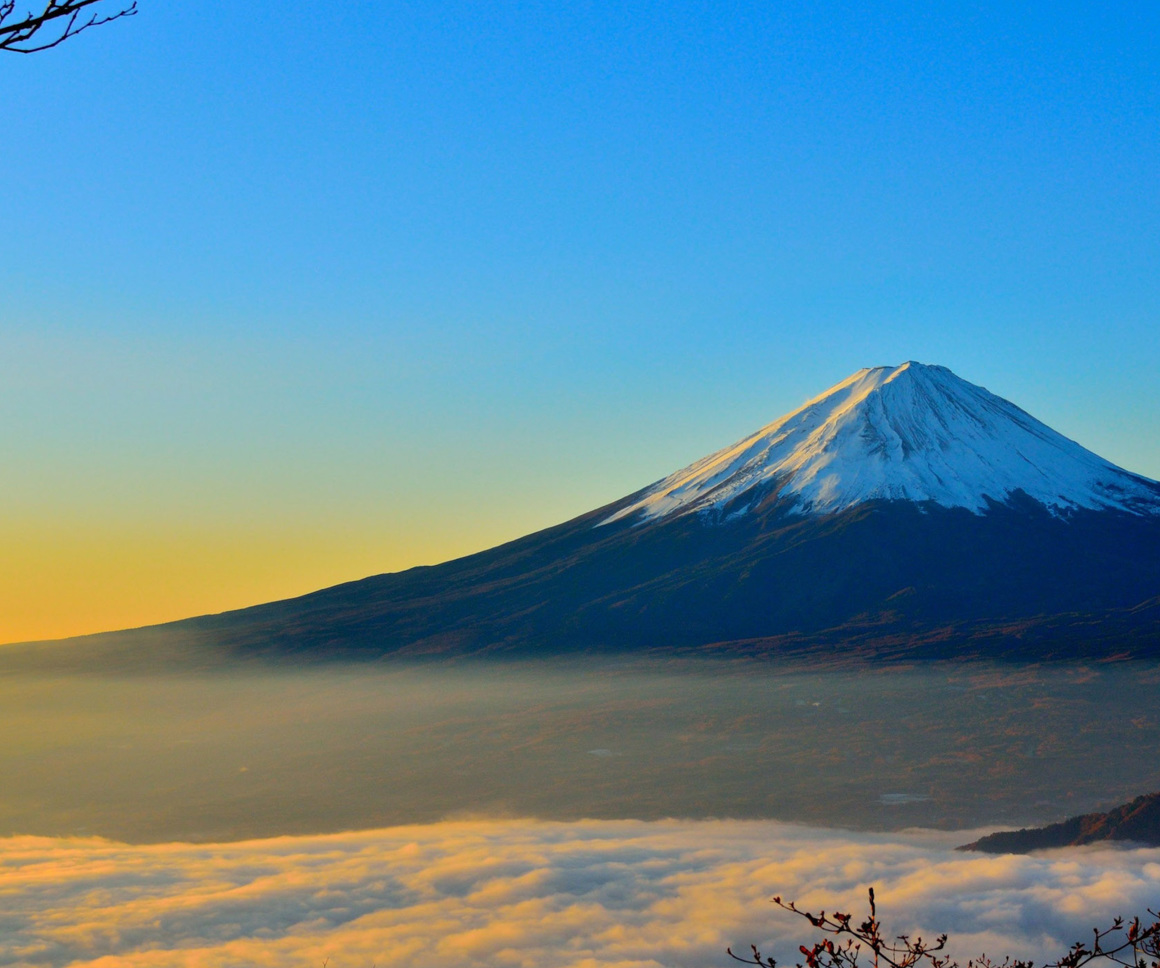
903	512
1136	822
907	433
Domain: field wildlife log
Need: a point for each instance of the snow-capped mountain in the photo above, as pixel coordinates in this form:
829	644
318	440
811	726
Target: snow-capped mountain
906	433
904	512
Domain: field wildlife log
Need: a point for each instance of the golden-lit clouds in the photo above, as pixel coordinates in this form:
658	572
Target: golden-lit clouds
524	894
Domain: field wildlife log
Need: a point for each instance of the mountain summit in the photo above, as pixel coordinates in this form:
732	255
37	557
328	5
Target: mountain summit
905	512
906	433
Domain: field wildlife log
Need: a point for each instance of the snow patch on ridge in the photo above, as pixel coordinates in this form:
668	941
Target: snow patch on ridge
912	433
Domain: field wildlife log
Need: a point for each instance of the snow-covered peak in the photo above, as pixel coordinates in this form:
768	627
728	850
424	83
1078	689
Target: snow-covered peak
912	432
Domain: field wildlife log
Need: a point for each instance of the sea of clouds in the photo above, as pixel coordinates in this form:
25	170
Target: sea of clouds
530	894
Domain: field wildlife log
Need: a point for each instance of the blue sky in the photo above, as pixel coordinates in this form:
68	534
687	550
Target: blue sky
378	284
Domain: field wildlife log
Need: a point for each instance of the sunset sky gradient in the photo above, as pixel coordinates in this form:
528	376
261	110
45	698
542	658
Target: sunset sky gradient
290	301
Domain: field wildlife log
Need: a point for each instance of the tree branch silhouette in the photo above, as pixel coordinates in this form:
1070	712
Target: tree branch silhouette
1131	944
59	19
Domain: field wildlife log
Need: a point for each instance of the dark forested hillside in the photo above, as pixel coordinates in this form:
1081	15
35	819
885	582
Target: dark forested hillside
1138	822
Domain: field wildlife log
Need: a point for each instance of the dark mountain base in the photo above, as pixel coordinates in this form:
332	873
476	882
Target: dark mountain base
885	579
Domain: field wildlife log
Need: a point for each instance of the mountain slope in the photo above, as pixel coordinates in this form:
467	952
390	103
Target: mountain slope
1135	822
905	512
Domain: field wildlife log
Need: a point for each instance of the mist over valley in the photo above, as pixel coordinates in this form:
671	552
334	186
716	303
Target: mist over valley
247	750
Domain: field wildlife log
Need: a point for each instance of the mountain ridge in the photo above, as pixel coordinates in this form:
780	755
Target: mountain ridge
1136	822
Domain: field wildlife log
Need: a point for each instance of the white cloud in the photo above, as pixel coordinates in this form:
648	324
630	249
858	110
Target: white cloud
527	894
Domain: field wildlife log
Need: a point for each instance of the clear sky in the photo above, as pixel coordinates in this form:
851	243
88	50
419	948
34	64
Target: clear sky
290	296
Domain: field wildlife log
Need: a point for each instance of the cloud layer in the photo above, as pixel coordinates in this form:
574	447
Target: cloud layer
527	894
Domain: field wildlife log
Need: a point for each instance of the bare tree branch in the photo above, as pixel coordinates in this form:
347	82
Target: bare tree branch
21	36
1131	944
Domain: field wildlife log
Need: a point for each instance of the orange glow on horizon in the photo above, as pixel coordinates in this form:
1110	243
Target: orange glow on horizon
65	581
